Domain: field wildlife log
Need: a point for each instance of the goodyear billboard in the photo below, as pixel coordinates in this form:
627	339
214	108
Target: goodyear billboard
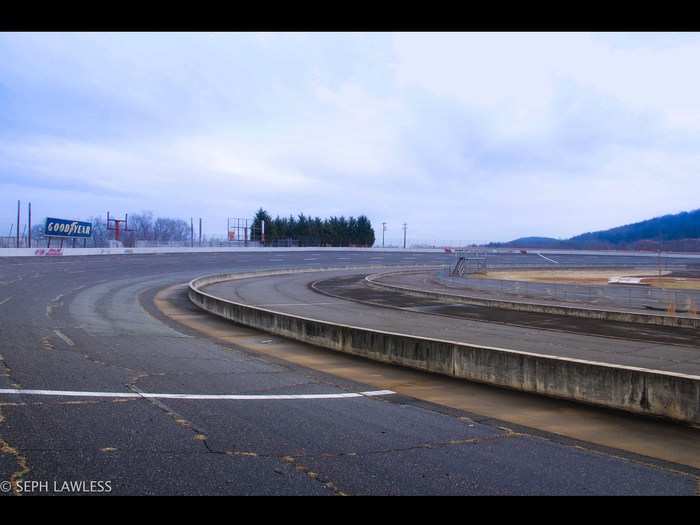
67	228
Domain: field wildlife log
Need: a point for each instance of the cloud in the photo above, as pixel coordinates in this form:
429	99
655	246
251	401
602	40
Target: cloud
463	136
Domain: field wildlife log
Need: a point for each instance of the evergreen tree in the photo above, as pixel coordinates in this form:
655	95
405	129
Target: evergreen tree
256	228
307	231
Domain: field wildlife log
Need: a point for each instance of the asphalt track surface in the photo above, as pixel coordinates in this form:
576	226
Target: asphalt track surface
87	324
354	287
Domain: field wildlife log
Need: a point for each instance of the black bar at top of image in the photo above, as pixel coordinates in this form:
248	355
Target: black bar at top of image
355	17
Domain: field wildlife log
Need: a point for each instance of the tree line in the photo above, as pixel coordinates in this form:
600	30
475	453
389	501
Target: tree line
313	231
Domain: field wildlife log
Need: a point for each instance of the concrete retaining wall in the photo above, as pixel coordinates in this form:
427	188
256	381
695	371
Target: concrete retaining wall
680	321
37	252
31	252
641	391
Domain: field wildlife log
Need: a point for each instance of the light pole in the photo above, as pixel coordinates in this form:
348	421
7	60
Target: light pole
383	230
404	235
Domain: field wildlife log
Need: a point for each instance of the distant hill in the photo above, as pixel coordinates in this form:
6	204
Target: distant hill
536	242
685	225
679	232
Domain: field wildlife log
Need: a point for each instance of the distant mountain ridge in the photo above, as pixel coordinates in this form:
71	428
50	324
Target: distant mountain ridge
678	232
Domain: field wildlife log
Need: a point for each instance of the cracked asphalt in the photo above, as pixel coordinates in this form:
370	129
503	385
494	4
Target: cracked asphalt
83	323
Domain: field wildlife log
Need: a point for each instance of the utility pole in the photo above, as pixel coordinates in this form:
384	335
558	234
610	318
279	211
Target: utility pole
383	230
191	232
17	224
29	237
200	232
404	235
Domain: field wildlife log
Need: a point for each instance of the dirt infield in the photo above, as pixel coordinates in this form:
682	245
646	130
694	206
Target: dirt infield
672	282
597	277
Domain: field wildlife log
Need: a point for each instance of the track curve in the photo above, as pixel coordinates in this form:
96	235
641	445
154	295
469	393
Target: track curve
293	294
87	324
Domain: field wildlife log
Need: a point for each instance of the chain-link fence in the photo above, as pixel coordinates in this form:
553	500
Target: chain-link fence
42	242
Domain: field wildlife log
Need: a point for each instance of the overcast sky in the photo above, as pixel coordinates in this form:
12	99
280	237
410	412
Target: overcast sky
462	136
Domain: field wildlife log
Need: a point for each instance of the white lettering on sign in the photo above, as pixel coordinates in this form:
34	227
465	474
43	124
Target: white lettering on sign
68	228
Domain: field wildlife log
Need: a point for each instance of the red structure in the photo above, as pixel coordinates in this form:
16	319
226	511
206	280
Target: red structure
116	225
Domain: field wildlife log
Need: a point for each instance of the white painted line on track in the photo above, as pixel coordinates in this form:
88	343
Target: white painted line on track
235	397
548	259
5	301
64	338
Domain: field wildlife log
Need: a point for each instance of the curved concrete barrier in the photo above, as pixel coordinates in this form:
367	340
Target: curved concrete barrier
649	392
679	321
